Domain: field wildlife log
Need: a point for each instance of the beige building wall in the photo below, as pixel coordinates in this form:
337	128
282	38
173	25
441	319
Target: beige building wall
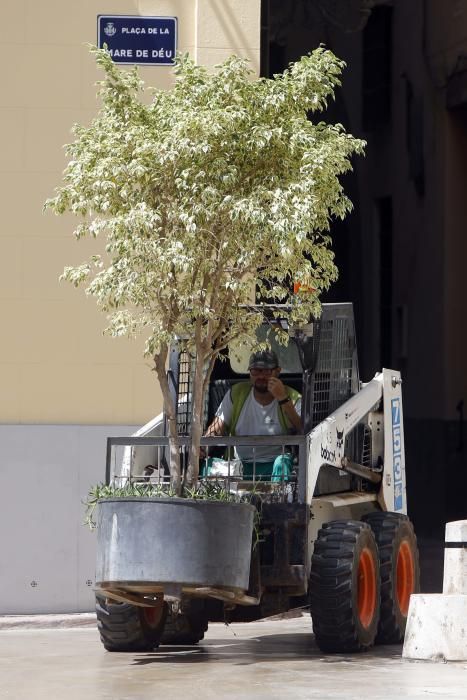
64	388
55	364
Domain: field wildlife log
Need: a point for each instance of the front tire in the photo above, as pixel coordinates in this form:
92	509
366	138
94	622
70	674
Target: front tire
124	627
345	587
400	572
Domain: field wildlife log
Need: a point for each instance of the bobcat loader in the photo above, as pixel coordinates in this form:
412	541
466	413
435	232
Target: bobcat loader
334	536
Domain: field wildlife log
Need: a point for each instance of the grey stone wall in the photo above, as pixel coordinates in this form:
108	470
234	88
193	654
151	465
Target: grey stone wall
48	556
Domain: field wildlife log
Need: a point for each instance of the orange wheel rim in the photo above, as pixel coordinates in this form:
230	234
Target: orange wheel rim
405	577
152	616
366	587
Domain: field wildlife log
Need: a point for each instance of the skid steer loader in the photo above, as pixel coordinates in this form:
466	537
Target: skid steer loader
334	534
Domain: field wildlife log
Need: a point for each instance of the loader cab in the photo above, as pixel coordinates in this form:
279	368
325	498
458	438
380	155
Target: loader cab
233	367
320	361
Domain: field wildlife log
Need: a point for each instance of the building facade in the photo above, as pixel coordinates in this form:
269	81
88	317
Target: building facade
65	386
401	253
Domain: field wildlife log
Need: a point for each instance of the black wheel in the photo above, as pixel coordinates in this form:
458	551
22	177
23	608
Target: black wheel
345	587
125	627
186	627
399	571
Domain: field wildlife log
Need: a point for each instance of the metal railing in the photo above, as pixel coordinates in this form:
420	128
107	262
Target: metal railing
293	485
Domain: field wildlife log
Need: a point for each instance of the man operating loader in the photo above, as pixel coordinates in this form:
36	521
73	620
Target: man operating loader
262	406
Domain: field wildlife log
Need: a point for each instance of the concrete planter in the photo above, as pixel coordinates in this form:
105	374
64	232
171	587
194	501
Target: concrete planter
156	543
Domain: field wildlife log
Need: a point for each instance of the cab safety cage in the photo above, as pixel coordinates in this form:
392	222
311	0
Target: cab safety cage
297	443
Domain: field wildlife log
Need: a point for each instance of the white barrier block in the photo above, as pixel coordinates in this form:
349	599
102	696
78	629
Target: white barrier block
455	558
436	627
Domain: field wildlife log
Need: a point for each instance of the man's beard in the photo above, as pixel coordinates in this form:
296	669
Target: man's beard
261	388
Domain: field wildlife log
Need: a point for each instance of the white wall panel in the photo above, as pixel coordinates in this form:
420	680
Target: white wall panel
47	555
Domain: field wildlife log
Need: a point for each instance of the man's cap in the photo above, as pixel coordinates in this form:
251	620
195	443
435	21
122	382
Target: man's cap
263	359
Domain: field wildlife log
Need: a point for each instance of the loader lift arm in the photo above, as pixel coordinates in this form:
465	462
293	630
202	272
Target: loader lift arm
326	442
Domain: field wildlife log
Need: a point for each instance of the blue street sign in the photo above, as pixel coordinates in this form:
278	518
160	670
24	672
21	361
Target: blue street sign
135	39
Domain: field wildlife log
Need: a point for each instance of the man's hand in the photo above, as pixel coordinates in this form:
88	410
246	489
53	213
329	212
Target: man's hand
277	388
217	427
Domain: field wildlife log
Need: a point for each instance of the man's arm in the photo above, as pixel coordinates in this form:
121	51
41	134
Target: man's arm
289	411
217	427
279	391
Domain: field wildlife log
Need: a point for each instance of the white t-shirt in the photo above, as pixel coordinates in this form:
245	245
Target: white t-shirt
255	419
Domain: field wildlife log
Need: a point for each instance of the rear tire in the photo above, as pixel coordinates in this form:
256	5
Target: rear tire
186	627
399	570
125	627
345	587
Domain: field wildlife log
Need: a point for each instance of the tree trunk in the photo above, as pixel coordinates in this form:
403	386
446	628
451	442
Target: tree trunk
171	415
197	415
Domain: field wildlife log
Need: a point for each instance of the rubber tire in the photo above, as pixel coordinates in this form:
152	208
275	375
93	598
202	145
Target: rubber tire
340	547
391	530
127	628
187	627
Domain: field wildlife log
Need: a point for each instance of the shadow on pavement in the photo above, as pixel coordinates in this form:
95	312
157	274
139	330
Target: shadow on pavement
260	649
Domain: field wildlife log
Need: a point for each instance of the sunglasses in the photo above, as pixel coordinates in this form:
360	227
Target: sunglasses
255	371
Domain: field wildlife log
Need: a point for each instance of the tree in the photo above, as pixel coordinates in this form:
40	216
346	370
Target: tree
216	185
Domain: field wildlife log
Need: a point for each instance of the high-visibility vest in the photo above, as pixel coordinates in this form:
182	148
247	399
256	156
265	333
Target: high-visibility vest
239	394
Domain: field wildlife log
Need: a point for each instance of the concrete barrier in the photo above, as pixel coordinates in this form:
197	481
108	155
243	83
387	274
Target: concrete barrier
437	622
455	558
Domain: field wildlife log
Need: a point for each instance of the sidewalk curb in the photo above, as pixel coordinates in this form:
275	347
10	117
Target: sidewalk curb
51	621
77	620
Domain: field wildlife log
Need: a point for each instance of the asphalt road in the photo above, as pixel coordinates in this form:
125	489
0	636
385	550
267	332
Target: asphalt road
269	659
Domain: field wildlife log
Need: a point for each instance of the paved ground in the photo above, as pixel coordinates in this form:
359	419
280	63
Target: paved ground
269	659
57	657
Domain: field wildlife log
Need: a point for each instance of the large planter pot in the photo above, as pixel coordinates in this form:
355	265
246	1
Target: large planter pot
155	543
